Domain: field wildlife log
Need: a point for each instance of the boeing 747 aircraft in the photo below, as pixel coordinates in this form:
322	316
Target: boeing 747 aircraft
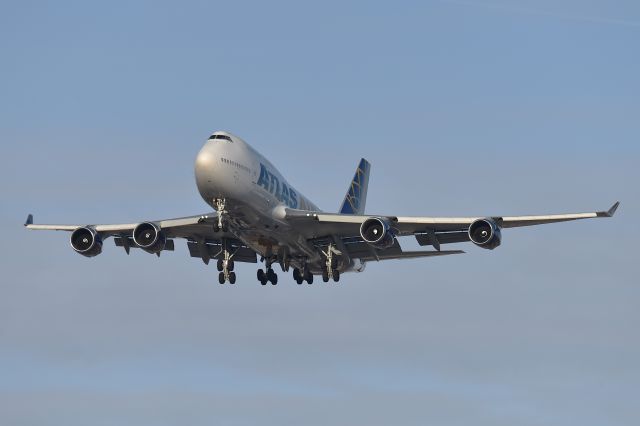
258	214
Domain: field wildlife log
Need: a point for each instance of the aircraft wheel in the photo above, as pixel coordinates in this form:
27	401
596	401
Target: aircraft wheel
261	275
309	278
299	280
272	276
230	265
296	274
325	276
221	279
336	276
334	263
232	277
219	265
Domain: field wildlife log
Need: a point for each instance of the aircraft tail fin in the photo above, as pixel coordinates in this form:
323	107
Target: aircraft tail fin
356	197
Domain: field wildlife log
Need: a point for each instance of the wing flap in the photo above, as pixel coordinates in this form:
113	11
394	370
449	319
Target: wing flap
437	238
213	250
127	242
361	250
358	249
426	253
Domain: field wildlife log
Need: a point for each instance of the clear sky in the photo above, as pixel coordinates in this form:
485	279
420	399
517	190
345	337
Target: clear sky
463	107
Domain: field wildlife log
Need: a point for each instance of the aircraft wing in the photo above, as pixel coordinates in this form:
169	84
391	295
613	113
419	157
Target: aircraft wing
202	241
427	230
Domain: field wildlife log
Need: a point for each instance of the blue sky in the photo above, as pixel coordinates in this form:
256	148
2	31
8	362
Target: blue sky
462	107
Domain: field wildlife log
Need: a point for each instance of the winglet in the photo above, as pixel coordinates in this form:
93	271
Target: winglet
29	220
611	211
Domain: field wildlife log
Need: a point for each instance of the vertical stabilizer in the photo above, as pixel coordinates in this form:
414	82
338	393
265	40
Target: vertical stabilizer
356	197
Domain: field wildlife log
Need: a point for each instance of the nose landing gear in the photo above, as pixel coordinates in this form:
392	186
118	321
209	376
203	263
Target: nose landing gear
221	224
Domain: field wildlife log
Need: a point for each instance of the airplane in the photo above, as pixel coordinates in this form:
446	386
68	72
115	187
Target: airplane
258	214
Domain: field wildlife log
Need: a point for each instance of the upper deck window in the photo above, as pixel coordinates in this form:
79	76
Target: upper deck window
225	137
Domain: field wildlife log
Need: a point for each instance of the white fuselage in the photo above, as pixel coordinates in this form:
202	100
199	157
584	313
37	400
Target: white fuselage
256	196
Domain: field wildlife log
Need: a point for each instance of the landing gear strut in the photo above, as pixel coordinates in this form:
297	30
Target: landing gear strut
220	225
330	270
225	265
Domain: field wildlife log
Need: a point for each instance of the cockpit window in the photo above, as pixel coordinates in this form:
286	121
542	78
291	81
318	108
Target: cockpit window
225	137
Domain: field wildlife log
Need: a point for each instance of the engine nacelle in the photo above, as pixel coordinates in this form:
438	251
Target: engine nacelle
378	232
86	241
485	233
149	237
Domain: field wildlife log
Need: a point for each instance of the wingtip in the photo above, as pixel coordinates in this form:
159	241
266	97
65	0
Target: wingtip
613	208
611	211
29	220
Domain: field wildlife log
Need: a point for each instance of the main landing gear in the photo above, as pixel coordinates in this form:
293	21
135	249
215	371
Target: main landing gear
330	270
225	265
269	276
303	275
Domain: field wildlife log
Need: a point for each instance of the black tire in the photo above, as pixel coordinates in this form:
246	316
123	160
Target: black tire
334	263
220	265
325	276
263	282
336	276
221	279
261	276
232	277
296	274
230	265
309	278
299	280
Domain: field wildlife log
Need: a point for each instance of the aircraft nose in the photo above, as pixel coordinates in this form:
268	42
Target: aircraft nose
205	158
204	170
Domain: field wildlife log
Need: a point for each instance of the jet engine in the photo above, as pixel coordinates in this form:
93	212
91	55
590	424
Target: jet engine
149	237
378	232
86	241
485	233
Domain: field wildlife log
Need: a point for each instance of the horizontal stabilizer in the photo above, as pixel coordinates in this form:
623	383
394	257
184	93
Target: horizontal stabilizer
416	254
